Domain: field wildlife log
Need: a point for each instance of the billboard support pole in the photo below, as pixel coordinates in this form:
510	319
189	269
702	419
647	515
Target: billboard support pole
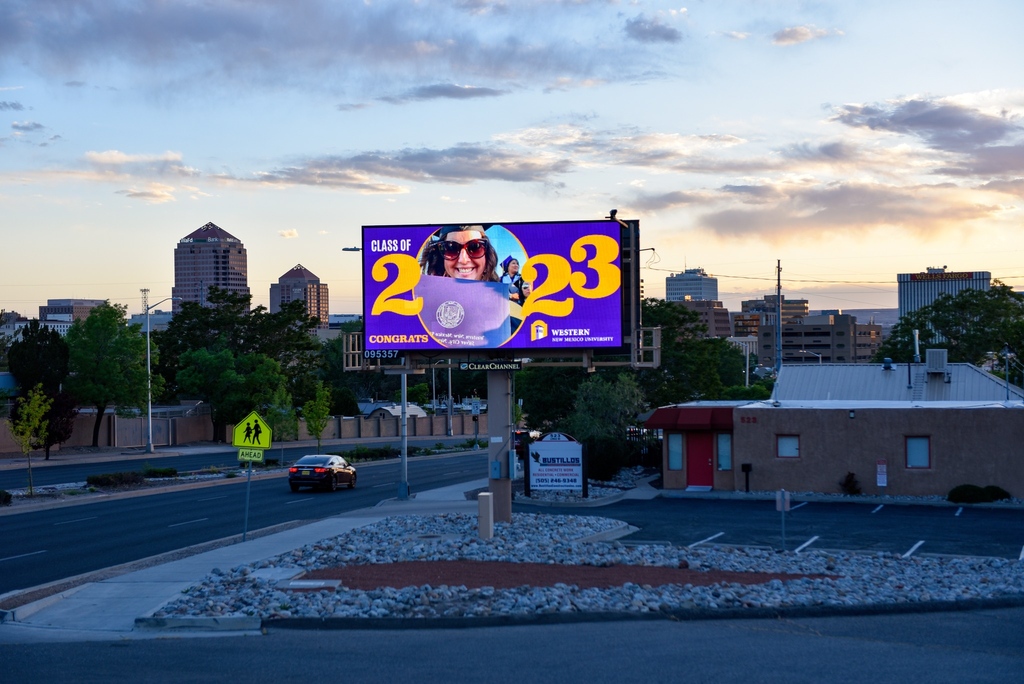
403	483
499	430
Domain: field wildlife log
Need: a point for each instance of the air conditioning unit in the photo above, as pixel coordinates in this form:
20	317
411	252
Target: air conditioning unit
935	360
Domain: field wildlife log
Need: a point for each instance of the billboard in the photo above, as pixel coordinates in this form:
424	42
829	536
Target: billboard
521	286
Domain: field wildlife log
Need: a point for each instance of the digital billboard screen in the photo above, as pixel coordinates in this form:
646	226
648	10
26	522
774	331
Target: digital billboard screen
522	286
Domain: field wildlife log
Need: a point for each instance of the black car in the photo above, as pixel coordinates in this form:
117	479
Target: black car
322	470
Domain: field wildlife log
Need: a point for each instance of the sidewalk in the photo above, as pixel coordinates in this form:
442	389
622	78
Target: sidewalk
108	609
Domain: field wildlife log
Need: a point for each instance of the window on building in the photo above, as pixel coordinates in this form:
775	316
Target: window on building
787	446
724	444
919	452
839	333
675	451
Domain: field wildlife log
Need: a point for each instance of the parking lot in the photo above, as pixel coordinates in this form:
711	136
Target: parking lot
904	529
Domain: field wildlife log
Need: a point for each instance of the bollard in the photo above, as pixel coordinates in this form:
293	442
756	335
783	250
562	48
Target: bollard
485	519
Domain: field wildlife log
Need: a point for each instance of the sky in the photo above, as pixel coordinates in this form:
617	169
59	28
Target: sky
849	141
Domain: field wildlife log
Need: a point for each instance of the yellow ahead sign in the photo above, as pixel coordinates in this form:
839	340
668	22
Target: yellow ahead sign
252	432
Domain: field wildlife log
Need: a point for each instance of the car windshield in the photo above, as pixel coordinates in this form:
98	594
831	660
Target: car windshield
313	460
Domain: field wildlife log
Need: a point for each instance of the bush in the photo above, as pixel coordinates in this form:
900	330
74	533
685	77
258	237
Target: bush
5	497
606	456
995	493
850	485
159	472
967	493
116	479
361	453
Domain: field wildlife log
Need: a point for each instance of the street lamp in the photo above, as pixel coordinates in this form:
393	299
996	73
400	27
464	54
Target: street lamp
149	372
807	351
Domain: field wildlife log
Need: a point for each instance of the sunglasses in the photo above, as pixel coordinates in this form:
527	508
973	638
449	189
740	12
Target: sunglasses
474	249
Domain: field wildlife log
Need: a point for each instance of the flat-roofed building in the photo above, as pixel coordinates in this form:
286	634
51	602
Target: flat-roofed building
694	283
300	284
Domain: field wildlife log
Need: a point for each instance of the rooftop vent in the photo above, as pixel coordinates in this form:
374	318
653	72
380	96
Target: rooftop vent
887	364
936	360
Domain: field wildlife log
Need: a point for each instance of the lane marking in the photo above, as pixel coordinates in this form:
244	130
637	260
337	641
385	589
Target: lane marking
289	503
188	522
913	548
68	522
702	541
806	544
386	484
958	512
213	498
793	508
878	508
34	553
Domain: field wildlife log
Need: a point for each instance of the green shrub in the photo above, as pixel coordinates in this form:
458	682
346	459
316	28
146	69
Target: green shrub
606	456
994	493
439	446
5	497
967	493
362	453
116	479
159	472
850	485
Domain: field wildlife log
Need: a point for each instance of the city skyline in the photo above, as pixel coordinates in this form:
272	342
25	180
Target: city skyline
851	141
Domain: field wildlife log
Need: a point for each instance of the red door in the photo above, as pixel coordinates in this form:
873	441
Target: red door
699	453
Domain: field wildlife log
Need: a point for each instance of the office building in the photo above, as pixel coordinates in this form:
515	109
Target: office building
208	257
694	283
67	310
917	290
755	313
713	315
821	339
299	284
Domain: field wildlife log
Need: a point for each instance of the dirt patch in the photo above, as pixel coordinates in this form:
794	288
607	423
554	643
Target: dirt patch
501	575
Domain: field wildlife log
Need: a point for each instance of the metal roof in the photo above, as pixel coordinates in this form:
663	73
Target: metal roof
959	382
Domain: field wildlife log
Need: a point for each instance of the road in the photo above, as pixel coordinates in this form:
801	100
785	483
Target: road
48	473
56	543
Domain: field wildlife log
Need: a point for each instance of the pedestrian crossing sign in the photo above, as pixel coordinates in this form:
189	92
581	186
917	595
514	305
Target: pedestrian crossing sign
252	432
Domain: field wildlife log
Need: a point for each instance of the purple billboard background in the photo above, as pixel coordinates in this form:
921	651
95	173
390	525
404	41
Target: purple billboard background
575	301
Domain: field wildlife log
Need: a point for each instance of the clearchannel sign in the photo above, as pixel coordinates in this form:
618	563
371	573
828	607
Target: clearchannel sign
492	285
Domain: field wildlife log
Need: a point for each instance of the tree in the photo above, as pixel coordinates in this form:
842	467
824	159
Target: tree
317	412
690	361
29	427
279	412
107	359
605	409
40	356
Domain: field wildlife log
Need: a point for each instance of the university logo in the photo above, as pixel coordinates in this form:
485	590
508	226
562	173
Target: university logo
538	331
450	314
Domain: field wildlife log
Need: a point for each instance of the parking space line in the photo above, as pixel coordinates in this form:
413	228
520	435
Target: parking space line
913	548
34	553
878	508
702	541
188	522
806	544
68	522
289	503
212	498
958	512
793	508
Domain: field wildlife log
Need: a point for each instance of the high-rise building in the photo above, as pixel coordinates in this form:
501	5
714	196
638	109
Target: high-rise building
300	284
713	315
208	257
821	339
694	283
917	290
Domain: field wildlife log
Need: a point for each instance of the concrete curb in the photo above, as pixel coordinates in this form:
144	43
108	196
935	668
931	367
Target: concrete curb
201	624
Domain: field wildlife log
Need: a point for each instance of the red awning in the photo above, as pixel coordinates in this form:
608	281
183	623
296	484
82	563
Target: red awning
691	418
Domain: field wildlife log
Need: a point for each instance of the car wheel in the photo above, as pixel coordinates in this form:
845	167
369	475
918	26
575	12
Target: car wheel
352	481
332	485
294	487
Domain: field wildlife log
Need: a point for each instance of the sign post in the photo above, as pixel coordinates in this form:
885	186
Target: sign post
782	505
252	436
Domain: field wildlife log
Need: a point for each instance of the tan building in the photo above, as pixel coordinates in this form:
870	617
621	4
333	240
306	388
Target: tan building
917	430
68	310
208	257
821	339
712	314
299	284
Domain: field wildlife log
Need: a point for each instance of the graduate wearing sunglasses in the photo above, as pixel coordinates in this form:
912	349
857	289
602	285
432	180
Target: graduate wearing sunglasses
462	252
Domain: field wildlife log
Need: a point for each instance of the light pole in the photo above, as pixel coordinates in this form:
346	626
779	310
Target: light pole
149	372
806	351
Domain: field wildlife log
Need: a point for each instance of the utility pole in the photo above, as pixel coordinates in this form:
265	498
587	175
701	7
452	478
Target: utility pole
778	316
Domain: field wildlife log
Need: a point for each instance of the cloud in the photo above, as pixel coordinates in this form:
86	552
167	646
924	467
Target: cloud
736	35
351	107
942	125
644	30
11	106
462	164
363	48
667	200
27	126
154	193
288	234
115	162
801	34
822	210
447	91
